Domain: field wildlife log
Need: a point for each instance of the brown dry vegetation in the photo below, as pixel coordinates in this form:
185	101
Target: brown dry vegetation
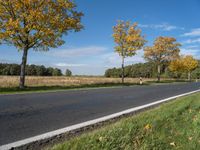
33	81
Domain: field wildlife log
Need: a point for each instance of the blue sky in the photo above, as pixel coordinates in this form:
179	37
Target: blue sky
91	51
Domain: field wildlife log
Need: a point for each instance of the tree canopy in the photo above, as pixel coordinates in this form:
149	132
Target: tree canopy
31	70
68	73
128	38
163	50
37	24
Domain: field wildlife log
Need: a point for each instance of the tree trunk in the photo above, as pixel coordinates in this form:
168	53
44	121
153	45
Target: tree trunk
158	75
189	76
23	67
122	69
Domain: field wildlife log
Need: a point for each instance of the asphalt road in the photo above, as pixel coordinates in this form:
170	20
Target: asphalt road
27	115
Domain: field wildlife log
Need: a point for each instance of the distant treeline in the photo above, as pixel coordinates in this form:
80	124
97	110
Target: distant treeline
149	70
31	70
142	69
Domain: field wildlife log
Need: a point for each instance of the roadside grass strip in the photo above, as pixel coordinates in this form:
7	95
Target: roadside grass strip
173	125
47	89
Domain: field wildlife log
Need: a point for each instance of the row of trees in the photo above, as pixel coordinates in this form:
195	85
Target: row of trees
40	25
146	70
165	50
149	70
32	70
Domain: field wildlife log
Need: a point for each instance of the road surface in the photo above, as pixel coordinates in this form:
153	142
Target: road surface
26	115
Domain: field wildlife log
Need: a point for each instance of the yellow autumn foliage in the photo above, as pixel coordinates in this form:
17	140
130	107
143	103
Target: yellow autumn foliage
184	63
164	49
128	38
189	63
37	24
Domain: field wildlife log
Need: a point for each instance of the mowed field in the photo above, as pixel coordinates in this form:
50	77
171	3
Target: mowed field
33	81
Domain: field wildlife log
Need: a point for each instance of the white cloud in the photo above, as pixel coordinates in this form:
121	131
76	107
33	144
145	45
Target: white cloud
69	65
194	52
191	41
193	46
2	60
193	32
78	52
163	26
114	60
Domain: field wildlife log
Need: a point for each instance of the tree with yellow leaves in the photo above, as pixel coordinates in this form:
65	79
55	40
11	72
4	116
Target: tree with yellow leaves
189	64
176	66
128	39
37	25
164	50
184	64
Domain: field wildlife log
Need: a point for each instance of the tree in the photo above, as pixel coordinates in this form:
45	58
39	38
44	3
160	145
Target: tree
164	50
196	73
37	25
108	73
14	69
31	70
128	39
40	70
6	70
68	73
184	64
57	72
177	66
50	71
189	64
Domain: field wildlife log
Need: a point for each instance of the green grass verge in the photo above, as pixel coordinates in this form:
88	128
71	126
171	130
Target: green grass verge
40	89
60	88
174	125
168	81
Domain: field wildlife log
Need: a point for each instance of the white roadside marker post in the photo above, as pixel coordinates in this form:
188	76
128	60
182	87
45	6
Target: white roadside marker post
141	81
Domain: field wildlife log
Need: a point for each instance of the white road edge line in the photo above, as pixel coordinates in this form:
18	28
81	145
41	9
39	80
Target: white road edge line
87	123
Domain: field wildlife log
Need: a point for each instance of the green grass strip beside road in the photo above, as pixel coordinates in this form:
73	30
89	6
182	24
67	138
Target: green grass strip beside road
174	125
43	89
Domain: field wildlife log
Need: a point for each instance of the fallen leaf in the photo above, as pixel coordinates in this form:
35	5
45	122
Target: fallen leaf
172	144
100	139
147	127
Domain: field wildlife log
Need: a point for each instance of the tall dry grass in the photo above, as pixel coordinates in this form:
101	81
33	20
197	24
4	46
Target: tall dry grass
13	81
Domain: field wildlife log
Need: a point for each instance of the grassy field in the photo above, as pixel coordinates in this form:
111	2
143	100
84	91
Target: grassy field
9	84
175	125
33	81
